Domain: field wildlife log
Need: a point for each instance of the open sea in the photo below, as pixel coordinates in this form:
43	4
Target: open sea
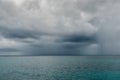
60	68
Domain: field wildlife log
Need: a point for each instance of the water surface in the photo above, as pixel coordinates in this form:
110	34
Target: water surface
59	68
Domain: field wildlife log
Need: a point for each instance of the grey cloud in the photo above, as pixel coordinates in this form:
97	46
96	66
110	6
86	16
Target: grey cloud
47	18
107	21
9	50
60	27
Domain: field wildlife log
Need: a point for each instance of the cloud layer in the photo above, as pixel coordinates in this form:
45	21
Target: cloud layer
54	27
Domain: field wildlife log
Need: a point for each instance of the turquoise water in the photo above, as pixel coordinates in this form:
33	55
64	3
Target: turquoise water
59	68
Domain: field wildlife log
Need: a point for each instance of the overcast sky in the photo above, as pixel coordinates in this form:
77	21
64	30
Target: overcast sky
59	27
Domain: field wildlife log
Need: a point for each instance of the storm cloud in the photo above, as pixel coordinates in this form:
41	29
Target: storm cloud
55	27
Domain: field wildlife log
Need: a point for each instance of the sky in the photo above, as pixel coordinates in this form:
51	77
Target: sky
59	27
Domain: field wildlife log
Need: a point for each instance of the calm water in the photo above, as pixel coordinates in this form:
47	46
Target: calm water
59	68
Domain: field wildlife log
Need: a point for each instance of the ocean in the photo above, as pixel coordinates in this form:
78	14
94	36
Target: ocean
59	68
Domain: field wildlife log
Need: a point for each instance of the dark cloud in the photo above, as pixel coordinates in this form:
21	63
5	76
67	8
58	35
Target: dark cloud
80	39
18	33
